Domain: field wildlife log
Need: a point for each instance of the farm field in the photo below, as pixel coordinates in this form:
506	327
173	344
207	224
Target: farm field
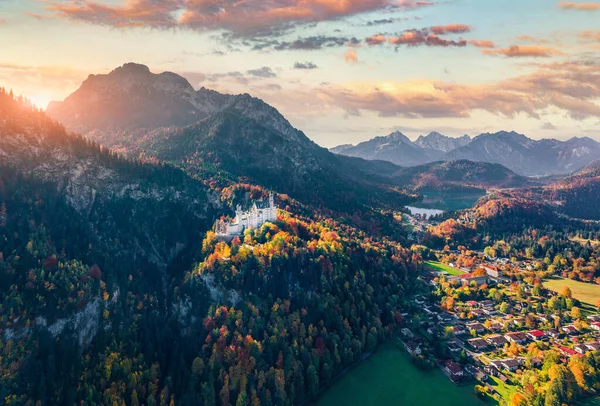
439	267
389	378
584	292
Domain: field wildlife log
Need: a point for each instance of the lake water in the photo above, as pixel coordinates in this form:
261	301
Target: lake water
424	212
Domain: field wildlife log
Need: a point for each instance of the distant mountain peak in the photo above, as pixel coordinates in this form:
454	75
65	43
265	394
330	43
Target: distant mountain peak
131	67
439	142
397	135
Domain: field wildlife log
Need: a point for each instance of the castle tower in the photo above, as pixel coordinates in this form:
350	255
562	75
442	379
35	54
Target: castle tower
238	213
271	200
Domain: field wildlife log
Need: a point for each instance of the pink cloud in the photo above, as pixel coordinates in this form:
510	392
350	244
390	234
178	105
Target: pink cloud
517	51
573	87
450	29
351	56
482	43
580	6
376	39
235	15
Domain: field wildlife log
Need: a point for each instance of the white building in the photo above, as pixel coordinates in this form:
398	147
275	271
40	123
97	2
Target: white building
258	215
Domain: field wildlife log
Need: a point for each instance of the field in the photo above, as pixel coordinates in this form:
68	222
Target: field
584	241
584	292
439	267
389	378
504	390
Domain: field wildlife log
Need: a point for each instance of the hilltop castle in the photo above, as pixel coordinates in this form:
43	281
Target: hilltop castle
258	215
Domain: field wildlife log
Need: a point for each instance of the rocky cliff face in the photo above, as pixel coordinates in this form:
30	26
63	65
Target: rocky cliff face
116	197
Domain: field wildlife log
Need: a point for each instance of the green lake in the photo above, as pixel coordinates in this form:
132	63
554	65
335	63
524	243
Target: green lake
389	378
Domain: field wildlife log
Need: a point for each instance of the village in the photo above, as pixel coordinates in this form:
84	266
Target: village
481	324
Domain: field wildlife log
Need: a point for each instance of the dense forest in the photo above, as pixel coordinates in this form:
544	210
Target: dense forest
112	302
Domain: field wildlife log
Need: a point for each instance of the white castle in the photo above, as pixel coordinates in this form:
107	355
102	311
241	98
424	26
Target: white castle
258	215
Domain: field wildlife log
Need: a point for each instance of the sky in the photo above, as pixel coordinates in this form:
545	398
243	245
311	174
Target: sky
342	71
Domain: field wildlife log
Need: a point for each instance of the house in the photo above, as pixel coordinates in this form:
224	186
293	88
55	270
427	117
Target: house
570	329
433	331
490	311
467	278
491	369
517	321
536	334
453	346
454	369
593	346
516	337
478	343
478	313
407	333
594	317
554	333
478	327
503	378
492	271
510	364
445	318
472	303
537	362
496	327
581	348
476	372
497	340
486	303
567	351
459	330
413	348
595	325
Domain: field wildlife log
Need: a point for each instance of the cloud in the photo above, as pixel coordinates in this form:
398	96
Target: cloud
482	43
377	39
351	56
580	6
264	72
593	36
517	51
300	44
235	76
424	37
239	16
548	126
573	87
305	65
450	29
432	36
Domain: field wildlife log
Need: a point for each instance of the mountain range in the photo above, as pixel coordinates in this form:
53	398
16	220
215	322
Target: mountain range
224	138
515	151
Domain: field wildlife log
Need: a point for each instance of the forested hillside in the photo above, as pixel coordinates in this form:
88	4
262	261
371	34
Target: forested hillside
113	292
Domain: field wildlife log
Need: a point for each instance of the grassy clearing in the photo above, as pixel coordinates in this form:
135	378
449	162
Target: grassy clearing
504	390
584	241
439	267
389	378
584	292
